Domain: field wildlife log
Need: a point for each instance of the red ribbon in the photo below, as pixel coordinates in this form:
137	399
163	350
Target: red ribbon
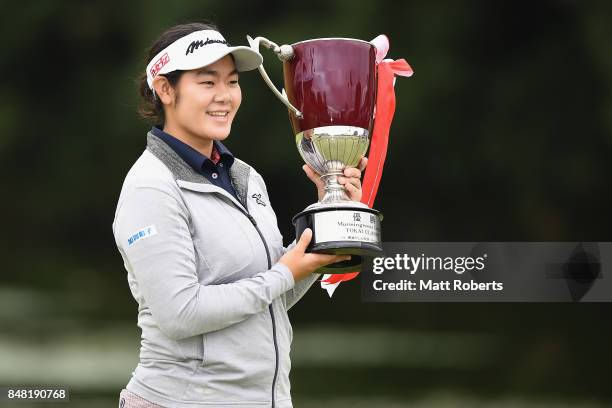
385	108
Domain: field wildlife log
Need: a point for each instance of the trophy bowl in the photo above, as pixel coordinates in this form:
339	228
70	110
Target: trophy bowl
329	150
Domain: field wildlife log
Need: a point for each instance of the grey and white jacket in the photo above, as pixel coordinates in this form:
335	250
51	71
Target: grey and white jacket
212	297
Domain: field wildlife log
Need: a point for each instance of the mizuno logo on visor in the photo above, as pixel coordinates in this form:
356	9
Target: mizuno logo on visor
196	44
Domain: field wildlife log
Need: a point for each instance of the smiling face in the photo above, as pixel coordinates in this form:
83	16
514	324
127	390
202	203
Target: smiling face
203	104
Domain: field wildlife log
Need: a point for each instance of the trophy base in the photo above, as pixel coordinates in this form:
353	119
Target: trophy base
351	228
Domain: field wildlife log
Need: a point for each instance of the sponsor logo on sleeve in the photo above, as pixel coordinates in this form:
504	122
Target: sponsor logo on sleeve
144	233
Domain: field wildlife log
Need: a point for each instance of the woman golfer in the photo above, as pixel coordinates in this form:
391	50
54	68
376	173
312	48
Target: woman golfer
199	239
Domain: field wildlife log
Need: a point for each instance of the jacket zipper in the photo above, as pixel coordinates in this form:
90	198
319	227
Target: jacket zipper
263	240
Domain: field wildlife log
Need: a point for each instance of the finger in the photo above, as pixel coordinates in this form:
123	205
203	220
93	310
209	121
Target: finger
323	259
353	192
352	172
340	258
362	163
312	175
337	258
349	180
310	170
305	238
355	182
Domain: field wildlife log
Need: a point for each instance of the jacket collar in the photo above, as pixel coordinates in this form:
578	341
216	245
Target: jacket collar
191	156
239	172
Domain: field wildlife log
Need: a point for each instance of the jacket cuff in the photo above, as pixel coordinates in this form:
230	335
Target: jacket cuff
286	273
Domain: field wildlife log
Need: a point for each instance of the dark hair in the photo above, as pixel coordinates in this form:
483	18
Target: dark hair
150	107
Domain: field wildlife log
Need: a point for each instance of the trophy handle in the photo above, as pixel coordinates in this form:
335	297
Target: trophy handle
284	53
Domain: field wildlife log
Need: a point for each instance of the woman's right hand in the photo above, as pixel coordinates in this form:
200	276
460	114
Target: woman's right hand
302	264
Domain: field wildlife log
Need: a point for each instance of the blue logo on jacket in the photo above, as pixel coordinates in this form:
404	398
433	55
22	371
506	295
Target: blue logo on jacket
146	232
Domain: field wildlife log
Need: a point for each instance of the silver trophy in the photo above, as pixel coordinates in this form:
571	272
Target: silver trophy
330	92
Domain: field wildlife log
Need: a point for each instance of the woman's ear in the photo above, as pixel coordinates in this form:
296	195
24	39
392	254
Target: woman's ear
163	90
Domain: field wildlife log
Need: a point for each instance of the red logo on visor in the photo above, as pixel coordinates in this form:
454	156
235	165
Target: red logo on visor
159	64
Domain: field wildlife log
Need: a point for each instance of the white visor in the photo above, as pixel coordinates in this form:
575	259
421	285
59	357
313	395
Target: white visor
197	50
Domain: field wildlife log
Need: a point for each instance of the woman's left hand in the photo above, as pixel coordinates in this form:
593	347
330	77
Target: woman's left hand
351	180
